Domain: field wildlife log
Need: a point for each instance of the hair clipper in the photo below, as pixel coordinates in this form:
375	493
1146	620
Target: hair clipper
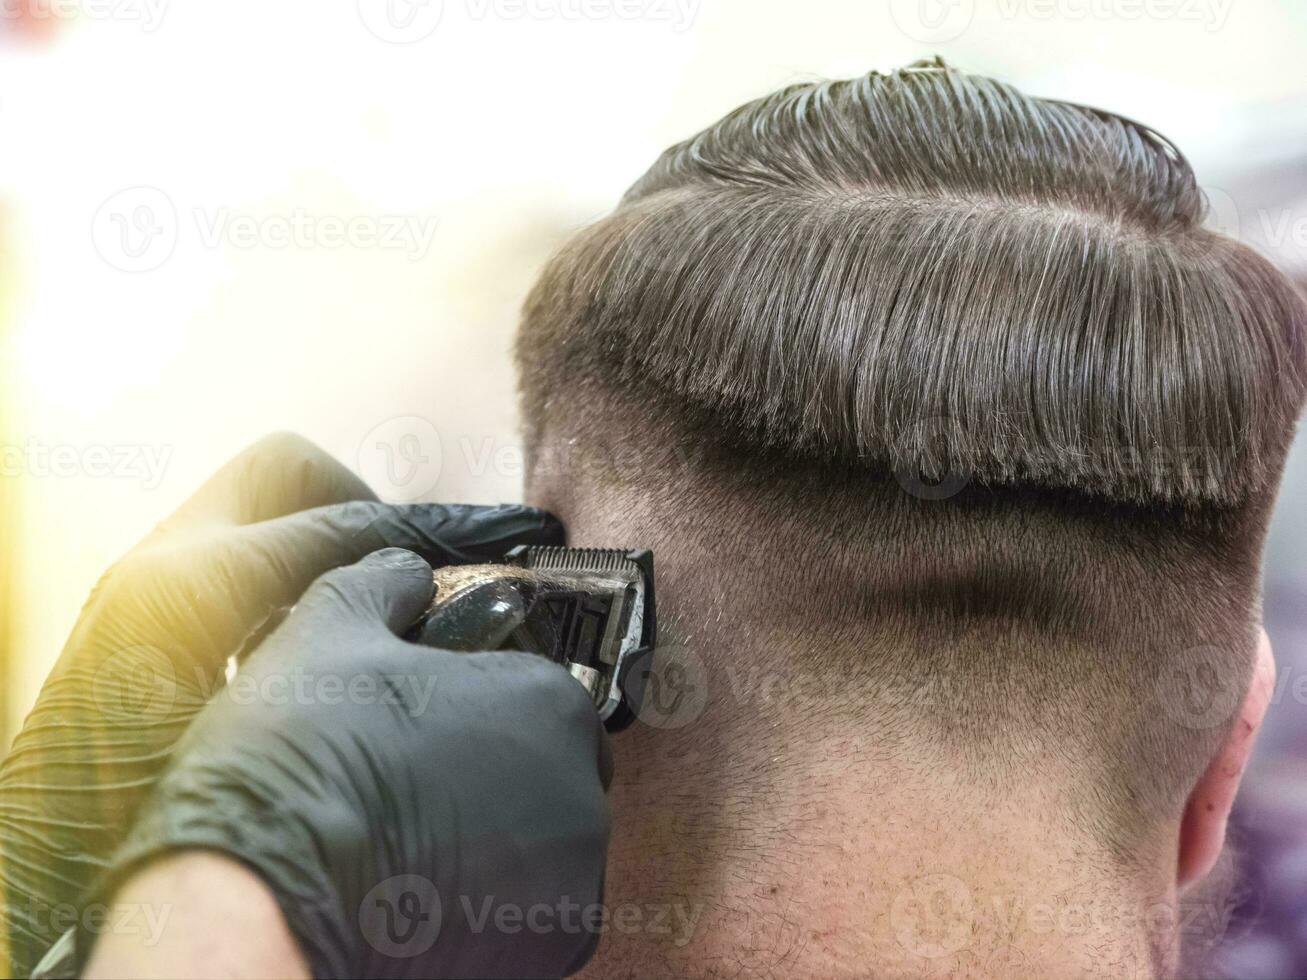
591	610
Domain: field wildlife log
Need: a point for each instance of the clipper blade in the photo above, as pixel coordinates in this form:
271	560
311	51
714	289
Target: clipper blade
590	610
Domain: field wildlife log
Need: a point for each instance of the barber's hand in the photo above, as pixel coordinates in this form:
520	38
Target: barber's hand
153	641
415	812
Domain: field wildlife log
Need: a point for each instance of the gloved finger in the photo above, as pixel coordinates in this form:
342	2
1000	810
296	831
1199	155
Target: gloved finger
278	475
387	589
252	572
444	534
271	564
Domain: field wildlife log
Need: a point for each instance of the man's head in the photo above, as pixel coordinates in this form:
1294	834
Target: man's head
942	394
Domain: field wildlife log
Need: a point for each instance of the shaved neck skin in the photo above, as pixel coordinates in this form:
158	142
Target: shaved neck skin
773	830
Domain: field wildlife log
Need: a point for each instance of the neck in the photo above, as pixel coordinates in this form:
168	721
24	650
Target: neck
768	819
759	843
765	825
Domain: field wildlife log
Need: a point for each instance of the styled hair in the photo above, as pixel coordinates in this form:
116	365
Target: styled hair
930	273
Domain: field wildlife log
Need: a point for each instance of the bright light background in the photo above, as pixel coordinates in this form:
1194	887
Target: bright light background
509	124
504	127
493	133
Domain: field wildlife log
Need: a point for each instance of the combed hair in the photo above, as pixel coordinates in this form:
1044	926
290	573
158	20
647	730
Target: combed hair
931	272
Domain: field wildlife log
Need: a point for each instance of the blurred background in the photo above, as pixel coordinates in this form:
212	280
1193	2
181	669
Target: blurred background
223	219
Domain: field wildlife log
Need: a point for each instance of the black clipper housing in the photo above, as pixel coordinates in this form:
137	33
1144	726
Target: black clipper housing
591	610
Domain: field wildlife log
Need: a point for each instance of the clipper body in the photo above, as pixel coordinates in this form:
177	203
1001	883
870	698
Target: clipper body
590	610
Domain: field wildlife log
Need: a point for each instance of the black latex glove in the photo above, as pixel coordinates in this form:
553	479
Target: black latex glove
394	823
153	640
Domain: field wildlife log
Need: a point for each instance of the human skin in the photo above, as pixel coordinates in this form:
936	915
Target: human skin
780	832
779	854
218	920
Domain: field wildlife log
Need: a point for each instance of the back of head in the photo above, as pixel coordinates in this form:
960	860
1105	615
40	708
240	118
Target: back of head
952	381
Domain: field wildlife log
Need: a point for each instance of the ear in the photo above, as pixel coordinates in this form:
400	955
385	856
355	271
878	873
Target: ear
1202	830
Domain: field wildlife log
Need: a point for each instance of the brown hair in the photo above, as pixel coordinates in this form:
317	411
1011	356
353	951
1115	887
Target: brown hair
930	273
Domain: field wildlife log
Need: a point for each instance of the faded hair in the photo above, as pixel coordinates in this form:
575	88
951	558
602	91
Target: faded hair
927	279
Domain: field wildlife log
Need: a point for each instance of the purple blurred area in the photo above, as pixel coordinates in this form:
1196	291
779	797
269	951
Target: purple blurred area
1267	939
1268	934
